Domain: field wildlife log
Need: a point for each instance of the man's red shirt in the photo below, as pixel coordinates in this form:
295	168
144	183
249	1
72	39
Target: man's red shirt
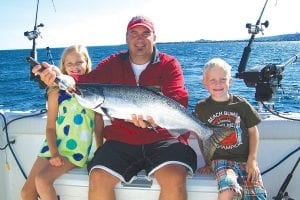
163	71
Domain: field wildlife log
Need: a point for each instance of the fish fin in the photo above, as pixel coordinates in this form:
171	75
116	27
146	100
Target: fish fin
177	132
105	111
205	146
153	88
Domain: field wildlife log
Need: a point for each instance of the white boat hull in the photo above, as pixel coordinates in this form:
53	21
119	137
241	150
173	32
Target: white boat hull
278	137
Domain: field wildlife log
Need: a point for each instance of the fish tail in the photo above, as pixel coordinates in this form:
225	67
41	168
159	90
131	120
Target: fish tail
209	145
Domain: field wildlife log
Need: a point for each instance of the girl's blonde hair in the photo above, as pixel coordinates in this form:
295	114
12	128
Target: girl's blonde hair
217	62
78	49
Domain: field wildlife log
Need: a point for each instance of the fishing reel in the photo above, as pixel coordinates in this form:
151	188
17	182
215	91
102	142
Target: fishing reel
35	33
265	79
255	29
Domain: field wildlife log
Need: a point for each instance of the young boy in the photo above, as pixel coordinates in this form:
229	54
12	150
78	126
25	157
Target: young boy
234	162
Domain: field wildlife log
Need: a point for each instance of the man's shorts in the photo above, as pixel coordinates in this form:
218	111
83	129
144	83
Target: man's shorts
232	175
125	160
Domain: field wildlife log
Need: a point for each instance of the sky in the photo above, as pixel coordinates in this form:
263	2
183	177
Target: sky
104	22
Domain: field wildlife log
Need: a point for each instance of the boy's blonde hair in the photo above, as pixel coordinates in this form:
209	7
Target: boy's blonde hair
217	62
79	49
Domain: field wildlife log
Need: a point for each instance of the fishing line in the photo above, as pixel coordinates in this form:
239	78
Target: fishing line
11	149
3	148
277	113
5	128
281	161
42	111
53	6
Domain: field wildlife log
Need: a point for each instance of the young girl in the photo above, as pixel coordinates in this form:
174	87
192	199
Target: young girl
234	162
68	132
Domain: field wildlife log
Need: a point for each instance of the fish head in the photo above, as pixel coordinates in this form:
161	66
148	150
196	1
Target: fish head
90	96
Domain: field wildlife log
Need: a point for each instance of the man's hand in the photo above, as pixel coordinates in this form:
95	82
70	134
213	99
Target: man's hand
139	121
48	74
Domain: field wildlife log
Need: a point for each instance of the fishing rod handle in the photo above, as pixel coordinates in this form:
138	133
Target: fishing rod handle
63	85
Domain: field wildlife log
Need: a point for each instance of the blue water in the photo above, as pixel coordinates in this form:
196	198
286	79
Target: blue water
17	92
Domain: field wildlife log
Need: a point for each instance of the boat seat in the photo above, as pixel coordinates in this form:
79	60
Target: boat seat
74	184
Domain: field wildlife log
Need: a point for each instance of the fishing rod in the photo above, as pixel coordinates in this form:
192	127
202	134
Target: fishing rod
252	78
266	79
33	35
253	30
62	84
281	193
49	55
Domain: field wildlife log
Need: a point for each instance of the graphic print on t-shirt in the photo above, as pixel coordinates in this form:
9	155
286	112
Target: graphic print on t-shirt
232	120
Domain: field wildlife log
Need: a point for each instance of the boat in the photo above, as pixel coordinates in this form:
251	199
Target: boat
22	134
278	154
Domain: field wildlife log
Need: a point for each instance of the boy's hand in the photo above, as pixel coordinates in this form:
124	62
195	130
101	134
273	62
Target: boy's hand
252	170
207	169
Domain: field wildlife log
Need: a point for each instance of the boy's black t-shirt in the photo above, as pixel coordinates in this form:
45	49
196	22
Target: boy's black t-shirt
236	113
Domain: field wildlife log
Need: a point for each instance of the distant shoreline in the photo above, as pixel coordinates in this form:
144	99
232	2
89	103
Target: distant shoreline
276	38
284	37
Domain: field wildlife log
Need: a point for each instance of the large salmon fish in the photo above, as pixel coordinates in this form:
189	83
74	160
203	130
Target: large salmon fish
121	101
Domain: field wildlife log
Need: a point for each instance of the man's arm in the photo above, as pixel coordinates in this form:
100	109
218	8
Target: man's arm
173	82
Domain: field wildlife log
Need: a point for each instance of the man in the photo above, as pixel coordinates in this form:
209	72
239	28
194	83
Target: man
130	146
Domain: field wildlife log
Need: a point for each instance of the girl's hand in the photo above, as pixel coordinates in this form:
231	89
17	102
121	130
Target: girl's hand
57	161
